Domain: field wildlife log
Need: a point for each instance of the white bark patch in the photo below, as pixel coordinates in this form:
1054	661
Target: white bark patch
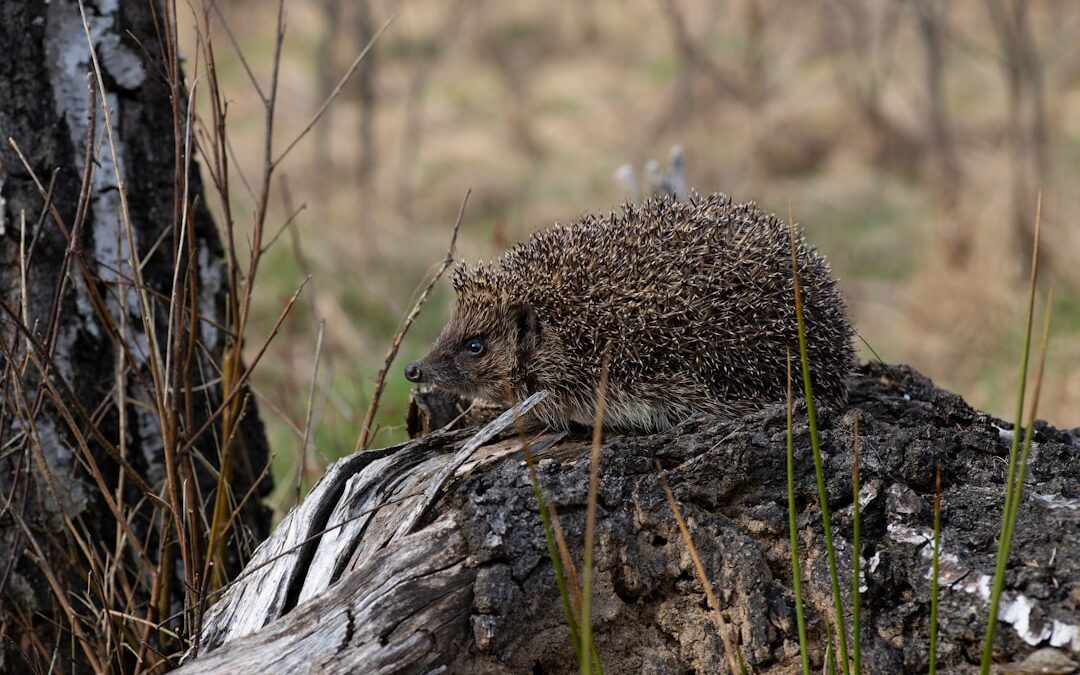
909	535
1055	502
3	206
1004	434
151	443
65	346
867	493
69	63
1018	613
211	282
70	494
121	63
1064	635
1014	610
84	308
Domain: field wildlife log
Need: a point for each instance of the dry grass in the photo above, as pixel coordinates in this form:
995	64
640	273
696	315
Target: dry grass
133	541
699	569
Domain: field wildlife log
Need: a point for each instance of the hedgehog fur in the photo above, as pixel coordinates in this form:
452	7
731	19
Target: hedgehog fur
693	300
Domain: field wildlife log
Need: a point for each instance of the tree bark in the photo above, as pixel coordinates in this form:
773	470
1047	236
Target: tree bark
384	568
81	435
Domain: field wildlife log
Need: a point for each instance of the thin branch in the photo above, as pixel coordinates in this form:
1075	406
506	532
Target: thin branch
395	344
337	90
246	375
239	52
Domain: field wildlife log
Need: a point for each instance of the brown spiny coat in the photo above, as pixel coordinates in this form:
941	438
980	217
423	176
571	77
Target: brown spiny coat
695	299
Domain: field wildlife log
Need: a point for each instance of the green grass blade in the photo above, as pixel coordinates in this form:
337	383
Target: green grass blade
796	575
1016	489
830	651
560	572
552	547
597	668
838	606
590	517
1002	552
934	573
1018	486
855	594
553	553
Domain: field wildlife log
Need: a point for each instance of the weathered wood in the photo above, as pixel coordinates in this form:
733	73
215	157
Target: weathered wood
492	606
364	503
401	610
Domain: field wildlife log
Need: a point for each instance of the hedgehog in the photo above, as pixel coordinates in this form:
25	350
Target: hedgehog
689	304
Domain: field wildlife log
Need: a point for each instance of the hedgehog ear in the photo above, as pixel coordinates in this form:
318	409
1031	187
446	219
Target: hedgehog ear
528	326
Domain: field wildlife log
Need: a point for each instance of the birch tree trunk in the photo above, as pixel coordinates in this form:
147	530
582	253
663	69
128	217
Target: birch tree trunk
112	333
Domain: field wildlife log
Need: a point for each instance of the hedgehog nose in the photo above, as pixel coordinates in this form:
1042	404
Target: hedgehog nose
412	372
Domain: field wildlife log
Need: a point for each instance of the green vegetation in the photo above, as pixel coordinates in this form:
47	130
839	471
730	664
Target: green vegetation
796	575
1014	484
856	553
823	500
934	572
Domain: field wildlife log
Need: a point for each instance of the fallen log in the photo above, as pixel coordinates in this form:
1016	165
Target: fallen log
430	556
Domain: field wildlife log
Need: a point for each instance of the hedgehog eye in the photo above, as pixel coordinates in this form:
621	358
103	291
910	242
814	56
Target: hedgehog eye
476	347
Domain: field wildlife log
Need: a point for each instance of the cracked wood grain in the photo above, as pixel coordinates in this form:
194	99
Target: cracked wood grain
361	505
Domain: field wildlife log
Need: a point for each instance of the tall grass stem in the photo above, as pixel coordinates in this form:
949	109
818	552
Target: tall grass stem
590	514
819	472
1002	551
796	575
934	572
856	553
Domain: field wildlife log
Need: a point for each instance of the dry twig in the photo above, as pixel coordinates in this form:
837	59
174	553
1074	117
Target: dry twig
395	343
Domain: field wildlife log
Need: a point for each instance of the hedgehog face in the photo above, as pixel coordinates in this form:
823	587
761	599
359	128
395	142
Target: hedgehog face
483	348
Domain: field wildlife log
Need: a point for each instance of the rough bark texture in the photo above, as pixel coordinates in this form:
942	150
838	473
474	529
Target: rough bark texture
470	588
44	109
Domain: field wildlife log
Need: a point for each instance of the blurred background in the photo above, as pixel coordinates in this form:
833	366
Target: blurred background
910	138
